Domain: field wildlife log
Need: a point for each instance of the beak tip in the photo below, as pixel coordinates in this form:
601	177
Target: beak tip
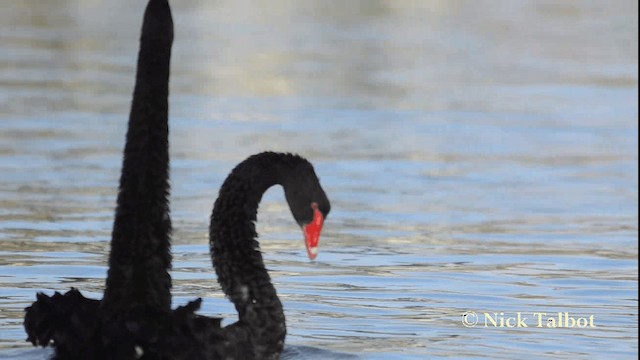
312	252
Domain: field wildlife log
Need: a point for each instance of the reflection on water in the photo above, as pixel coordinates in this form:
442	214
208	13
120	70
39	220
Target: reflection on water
478	157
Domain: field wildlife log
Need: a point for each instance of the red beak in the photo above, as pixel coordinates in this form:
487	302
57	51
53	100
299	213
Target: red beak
312	232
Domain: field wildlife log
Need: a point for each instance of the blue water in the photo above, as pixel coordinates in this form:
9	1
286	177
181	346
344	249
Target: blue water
479	158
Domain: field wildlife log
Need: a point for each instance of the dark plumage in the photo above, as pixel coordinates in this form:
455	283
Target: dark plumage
140	260
134	319
67	319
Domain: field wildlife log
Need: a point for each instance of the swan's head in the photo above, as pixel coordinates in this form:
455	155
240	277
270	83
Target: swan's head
308	203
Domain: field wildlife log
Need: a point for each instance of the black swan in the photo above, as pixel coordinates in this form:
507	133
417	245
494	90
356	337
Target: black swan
134	320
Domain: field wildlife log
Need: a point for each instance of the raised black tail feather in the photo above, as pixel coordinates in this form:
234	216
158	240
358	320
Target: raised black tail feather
140	257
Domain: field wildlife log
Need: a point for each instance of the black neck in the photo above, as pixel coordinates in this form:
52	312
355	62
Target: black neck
236	255
140	260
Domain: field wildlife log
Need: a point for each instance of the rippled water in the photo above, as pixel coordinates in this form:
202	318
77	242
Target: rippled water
480	157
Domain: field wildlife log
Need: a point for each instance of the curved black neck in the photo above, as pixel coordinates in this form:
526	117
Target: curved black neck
139	262
236	254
